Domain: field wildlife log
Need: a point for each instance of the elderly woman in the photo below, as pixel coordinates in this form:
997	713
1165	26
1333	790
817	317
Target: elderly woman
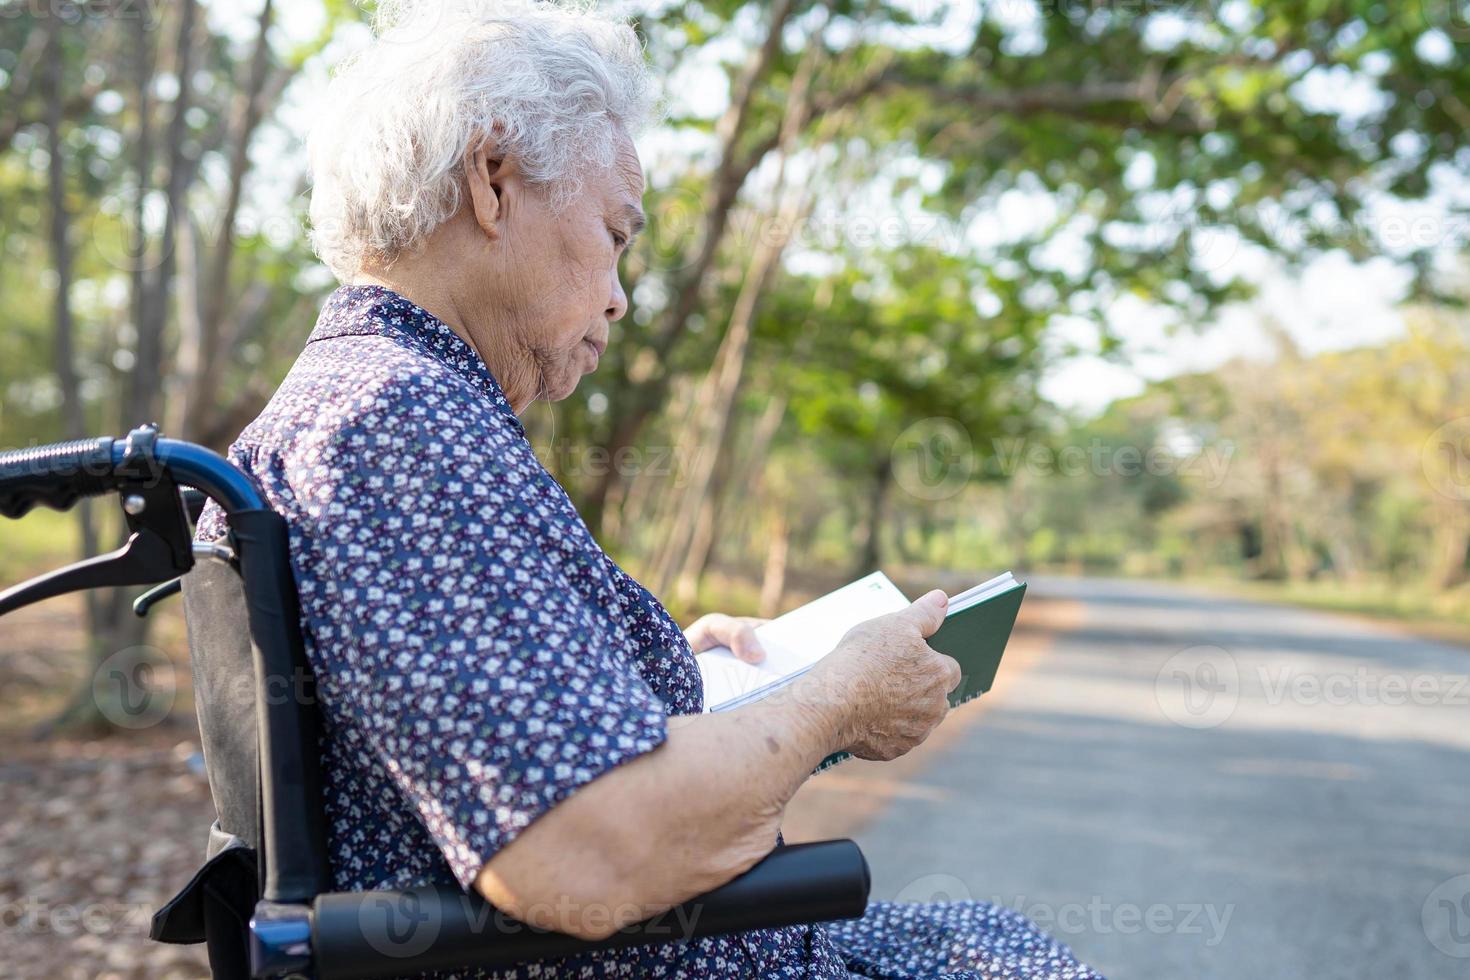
504	706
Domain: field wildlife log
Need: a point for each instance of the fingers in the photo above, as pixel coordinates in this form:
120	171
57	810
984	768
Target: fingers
699	636
952	673
927	611
718	629
743	643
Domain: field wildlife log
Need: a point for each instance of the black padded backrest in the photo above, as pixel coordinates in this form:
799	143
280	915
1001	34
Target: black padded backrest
223	658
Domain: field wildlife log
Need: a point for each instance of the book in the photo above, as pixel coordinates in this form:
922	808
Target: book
976	628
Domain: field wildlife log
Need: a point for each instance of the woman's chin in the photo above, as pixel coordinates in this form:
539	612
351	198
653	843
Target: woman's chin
564	387
594	358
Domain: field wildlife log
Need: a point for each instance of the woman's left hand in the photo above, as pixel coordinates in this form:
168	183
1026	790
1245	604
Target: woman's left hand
735	632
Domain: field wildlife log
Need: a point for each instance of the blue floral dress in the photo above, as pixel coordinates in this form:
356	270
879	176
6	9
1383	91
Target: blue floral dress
479	656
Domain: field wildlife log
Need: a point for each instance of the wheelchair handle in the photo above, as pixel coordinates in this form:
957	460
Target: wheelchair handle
59	475
56	476
292	826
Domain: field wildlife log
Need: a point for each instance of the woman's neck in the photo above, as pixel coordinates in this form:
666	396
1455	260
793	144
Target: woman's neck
434	295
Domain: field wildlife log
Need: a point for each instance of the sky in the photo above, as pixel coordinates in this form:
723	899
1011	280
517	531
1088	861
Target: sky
1331	304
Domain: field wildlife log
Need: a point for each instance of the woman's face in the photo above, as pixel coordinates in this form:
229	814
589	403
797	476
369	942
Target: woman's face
555	288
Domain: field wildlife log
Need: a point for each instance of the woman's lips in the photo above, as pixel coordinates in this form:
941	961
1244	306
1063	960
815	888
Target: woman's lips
597	348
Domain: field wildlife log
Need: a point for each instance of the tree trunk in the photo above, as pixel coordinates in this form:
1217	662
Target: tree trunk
706	527
107	632
144	397
870	554
715	404
1451	546
73	412
202	357
773	580
645	399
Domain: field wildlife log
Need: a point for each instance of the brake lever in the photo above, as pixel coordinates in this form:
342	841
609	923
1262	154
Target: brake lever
143	560
155	595
159	547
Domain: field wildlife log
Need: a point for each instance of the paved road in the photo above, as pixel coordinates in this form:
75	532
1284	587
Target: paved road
1191	787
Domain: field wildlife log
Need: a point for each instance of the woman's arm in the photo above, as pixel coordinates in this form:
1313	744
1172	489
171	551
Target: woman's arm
707	804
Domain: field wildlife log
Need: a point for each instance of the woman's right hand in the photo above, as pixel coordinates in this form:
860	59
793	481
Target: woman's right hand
891	685
667	825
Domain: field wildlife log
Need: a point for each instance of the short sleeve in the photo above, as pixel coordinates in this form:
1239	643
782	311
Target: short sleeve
453	598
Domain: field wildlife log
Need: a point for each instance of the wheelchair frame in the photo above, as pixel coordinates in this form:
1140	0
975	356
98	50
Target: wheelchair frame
300	927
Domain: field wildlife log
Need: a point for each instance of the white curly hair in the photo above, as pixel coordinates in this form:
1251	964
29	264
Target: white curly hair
554	83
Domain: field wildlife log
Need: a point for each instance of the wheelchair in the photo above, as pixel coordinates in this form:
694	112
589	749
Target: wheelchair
262	900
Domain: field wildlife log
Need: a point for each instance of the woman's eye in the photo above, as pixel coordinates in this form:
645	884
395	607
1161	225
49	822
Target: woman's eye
618	239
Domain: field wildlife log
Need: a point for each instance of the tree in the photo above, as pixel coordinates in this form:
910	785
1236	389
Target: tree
134	116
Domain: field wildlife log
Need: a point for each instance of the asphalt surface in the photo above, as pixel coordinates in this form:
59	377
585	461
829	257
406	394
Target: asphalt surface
1194	787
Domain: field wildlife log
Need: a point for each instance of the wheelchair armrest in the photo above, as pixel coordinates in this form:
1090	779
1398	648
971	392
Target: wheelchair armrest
400	933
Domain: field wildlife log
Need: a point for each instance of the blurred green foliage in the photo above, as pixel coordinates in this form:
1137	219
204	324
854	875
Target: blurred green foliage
933	200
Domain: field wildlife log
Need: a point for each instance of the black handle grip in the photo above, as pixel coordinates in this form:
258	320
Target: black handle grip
55	476
392	934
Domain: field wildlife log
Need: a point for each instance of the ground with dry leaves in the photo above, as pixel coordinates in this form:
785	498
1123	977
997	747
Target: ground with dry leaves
95	836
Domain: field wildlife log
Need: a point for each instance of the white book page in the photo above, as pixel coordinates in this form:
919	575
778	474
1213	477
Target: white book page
798	639
726	677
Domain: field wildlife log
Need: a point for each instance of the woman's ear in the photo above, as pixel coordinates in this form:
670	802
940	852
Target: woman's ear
489	176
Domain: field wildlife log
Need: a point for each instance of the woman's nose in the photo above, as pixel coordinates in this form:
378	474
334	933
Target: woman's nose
617	303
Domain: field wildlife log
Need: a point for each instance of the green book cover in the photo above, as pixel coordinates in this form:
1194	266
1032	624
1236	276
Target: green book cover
976	637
